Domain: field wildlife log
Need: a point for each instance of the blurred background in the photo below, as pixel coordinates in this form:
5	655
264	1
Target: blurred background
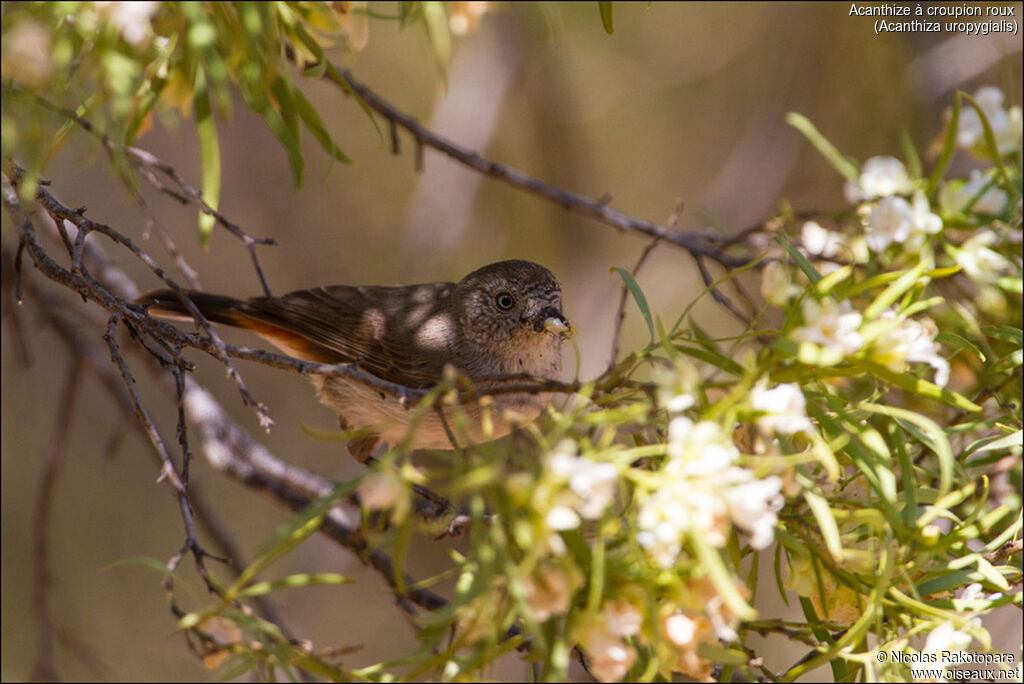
684	103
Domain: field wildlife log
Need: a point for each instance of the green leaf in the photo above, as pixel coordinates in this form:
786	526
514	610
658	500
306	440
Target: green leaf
638	297
910	154
806	266
311	118
292	581
435	21
721	577
1010	441
920	387
954	340
927	432
712	357
948	146
607	19
1012	360
833	156
1006	333
826	523
209	151
896	289
990	143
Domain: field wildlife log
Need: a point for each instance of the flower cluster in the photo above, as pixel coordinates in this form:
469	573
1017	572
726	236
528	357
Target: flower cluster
1006	124
602	637
585	487
701	489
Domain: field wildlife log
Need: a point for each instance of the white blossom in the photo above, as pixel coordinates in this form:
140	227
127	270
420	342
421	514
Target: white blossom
820	241
910	341
132	19
592	485
680	629
608	656
776	286
677	385
954	197
561	518
895	220
942	643
622	617
978	261
831	326
1006	125
698	449
923	221
879	177
753	505
784	406
663	519
701	489
887	222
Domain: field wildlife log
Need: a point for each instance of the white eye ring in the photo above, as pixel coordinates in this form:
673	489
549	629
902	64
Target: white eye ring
504	301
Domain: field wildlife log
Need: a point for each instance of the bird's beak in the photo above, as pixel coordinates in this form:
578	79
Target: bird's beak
551	320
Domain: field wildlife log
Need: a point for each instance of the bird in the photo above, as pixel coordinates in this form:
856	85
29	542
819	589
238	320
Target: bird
501	320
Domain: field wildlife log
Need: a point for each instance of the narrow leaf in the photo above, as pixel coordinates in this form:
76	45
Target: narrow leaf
638	296
832	155
607	20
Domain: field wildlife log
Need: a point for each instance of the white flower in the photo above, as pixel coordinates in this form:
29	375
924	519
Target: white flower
879	177
830	325
785	407
677	385
819	241
1006	125
942	643
753	504
662	521
680	629
945	637
592	485
776	286
623	618
132	19
910	341
701	490
561	518
975	592
890	220
923	221
698	449
978	261
608	656
955	196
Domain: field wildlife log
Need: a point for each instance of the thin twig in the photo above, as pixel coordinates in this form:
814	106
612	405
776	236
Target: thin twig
697	244
45	668
145	162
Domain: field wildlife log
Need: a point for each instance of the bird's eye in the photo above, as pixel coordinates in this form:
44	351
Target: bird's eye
505	301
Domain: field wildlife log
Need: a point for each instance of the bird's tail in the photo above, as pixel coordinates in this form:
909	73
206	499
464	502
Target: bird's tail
216	308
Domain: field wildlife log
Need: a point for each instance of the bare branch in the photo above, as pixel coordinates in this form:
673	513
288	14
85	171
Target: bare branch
45	668
706	245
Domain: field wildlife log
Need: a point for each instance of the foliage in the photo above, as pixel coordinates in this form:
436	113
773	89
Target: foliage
119	64
861	439
867	449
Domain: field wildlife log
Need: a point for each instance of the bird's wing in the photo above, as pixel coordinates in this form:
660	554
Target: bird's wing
403	334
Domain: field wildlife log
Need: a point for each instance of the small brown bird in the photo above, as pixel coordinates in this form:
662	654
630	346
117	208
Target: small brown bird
500	320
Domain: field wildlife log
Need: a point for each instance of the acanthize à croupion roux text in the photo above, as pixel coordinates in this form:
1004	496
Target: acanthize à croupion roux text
923	18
